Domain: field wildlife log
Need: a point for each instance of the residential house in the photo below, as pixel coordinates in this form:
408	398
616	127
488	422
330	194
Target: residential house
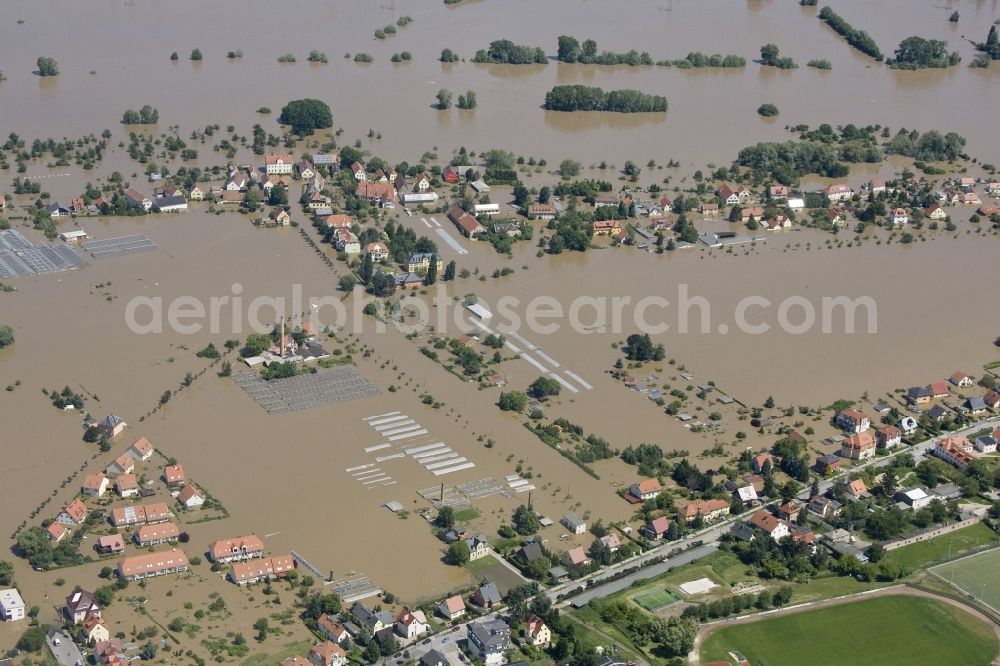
974	405
709	209
536	632
95	631
778	192
993	188
487	209
745	495
327	653
11	605
231	198
411	624
123	464
278	164
826	465
191	497
789	510
466	223
606	227
836	218
318	201
960	379
152	535
336	222
778	223
755	212
375	622
140	514
111	426
824	507
377	193
758	461
56	531
452	608
898	217
646	489
359	172
732	196
73	513
574	523
888	436
859	446
378	251
709	510
935	212
487	596
140	450
918	395
111	543
110	652
421	261
857	489
908	425
915	498
345	241
985	444
937	413
971	199
306	171
938	389
236	548
449	175
479	547
606	199
258	569
433	658
332	628
838	192
170	204
80	605
542	211
198	192
136	199
769	524
656	528
851	420
279	217
153	564
957	451
174	476
95	485
612	542
489	640
876	185
992	399
127	485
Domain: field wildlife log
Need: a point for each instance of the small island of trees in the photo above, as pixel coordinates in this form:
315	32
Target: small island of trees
47	66
919	53
447	55
592	98
147	115
306	116
770	56
767	110
820	64
571	51
504	51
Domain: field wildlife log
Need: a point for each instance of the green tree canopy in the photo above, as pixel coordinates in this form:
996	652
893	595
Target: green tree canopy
305	116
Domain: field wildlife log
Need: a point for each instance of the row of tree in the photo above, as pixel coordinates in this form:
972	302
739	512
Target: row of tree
592	98
859	39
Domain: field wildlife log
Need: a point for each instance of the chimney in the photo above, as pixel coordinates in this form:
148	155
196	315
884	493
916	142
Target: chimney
281	340
442	492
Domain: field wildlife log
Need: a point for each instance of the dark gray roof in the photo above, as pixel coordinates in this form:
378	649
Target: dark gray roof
169	200
531	552
492	635
434	658
490	594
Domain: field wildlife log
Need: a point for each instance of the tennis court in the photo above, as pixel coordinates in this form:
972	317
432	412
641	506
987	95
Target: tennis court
975	575
655	600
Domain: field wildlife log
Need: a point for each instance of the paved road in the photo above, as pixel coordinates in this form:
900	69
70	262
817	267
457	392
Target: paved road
66	653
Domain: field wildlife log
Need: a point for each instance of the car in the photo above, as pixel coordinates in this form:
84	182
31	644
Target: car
444	640
455	629
56	641
426	642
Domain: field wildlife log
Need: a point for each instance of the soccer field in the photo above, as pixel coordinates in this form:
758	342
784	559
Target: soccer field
976	575
655	600
873	632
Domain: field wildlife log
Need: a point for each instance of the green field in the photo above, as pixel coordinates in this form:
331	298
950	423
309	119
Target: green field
975	575
919	555
874	632
655	600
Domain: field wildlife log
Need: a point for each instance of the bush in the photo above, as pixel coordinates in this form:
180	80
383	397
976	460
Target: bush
767	110
819	64
47	66
196	54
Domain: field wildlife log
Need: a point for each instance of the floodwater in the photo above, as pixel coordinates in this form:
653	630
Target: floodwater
712	112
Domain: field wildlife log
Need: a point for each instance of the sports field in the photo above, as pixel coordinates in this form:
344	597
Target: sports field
920	554
976	575
655	600
874	632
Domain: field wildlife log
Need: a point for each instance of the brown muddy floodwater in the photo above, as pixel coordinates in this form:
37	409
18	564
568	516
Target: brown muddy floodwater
711	115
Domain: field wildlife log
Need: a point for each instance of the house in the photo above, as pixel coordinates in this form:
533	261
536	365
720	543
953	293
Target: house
836	218
123	464
174	476
487	596
278	164
359	172
80	605
94	630
755	212
170	204
489	640
140	514
542	211
95	485
536	632
305	169
908	425
327	653
898	217
377	193
136	199
988	210
857	488
111	543
888	436
975	405
318	201
859	446
140	450
778	223
332	628
198	192
530	552
771	525
152	535
411	624
985	444
449	175
656	528
574	523
938	389
264	568
789	510
127	485
778	192
233	198
55	532
708	510
433	658
326	159
937	413
11	605
236	548
851	420
110	652
732	196
452	608
796	204
876	185
279	217
487	209
378	251
153	564
709	209
758	462
606	199
826	465
745	495
421	261
838	192
345	241
993	188
824	507
558	575
646	489
111	426
190	497
73	513
935	212
612	542
915	498
375	622
57	210
336	222
971	199
479	547
957	451
73	236
992	399
466	223
606	227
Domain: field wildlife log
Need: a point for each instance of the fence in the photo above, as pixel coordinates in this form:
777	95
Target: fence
930	534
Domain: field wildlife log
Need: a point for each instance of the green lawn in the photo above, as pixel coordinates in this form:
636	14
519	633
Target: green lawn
919	555
655	600
975	575
264	659
486	562
886	630
466	514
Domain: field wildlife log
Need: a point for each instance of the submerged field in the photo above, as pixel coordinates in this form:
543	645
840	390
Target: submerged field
887	630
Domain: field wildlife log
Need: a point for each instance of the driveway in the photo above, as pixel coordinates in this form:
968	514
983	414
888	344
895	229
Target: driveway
66	653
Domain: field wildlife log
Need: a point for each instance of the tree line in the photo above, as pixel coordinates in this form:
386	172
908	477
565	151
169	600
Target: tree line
592	98
506	52
859	39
